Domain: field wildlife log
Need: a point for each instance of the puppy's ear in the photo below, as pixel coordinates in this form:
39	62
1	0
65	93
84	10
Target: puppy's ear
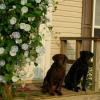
81	53
66	59
87	53
91	54
55	57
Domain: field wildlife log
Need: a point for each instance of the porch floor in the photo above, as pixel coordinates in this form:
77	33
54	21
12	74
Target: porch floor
33	92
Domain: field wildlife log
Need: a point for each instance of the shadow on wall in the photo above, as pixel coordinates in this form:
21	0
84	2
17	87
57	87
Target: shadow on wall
37	73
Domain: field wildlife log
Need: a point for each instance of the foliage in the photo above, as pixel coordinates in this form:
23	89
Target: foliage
89	79
19	35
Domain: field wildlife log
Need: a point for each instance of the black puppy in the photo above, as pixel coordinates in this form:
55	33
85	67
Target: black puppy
77	71
55	75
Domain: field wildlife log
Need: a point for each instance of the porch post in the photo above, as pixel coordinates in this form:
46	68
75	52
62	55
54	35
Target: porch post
97	65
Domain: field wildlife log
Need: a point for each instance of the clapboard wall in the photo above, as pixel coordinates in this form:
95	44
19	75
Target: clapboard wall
66	23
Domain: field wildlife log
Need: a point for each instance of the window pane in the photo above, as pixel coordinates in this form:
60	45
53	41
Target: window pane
97	32
97	13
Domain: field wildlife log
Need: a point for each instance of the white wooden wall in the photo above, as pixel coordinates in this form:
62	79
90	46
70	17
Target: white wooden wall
66	23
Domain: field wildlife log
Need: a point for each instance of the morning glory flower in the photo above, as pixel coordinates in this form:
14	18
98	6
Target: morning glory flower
23	2
2	79
16	35
27	27
2	50
14	7
37	1
14	48
25	46
2	62
13	20
15	78
12	53
2	6
31	19
24	9
18	41
22	25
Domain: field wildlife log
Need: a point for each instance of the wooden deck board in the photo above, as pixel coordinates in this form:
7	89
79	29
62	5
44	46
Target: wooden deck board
34	93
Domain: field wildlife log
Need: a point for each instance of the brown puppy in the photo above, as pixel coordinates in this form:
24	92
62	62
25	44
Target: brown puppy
55	75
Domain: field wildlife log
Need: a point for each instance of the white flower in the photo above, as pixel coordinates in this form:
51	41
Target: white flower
15	78
16	34
2	79
40	50
31	19
24	9
10	9
23	2
28	60
14	48
13	20
25	46
18	41
38	60
2	6
14	7
12	53
2	50
37	1
1	37
22	74
22	25
2	62
26	53
32	36
27	27
32	63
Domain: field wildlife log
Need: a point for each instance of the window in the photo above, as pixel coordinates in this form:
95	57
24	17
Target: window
96	18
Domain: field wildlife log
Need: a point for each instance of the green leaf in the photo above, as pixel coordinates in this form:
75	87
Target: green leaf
8	77
9	67
23	94
29	5
37	12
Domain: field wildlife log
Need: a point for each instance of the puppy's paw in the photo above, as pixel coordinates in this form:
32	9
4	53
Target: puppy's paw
83	89
68	87
58	92
52	94
76	89
44	90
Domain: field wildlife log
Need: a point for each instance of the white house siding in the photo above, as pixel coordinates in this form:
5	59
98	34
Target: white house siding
66	23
